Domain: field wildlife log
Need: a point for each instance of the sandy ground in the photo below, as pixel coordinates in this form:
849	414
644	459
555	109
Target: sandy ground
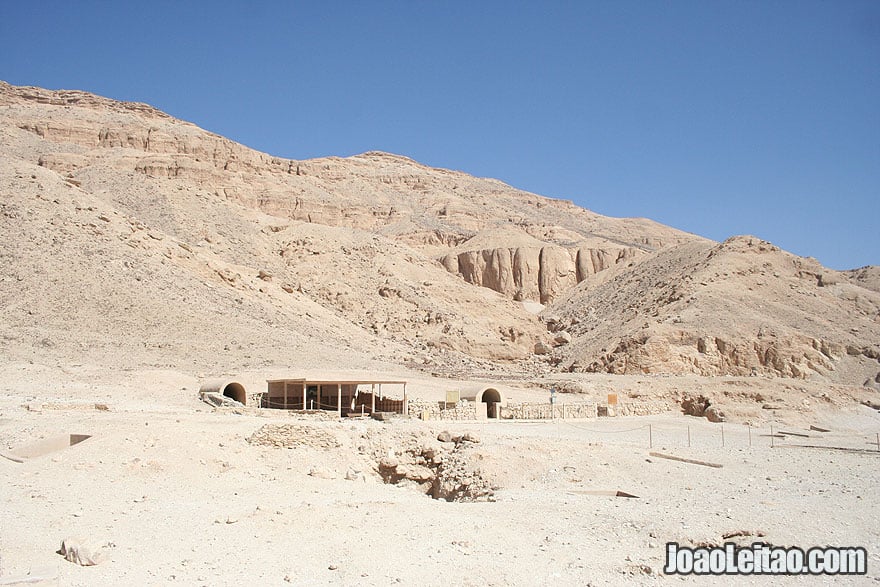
180	496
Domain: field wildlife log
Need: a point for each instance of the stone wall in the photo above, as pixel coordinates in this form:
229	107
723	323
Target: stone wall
433	410
633	409
544	411
642	408
466	410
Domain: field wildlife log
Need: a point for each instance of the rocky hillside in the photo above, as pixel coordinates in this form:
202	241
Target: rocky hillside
124	152
868	277
742	307
124	228
128	237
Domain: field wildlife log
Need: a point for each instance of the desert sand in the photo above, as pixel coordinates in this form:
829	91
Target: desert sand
177	494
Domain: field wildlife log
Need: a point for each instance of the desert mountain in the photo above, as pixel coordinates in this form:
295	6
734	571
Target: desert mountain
742	307
131	238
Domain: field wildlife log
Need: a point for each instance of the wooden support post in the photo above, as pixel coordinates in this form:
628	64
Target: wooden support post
373	398
405	406
683	460
285	395
339	398
305	386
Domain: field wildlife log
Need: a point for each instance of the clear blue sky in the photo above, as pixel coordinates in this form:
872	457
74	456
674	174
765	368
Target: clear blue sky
720	118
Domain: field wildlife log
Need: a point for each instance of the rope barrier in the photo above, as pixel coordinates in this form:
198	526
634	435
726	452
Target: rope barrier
604	431
793	437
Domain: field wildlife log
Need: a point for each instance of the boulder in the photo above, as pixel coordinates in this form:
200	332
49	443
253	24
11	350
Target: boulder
322	473
469	437
562	338
418	473
445	436
542	348
218	400
713	414
695	406
82	551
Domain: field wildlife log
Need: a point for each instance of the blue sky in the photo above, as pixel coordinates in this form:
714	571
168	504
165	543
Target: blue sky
720	118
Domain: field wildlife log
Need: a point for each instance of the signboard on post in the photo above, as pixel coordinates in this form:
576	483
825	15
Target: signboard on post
452	397
610	406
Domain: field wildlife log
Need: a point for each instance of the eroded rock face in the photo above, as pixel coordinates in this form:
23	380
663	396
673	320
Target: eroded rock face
794	357
533	273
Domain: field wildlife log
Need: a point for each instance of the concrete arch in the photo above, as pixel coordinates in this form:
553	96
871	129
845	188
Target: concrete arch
490	394
231	389
493	398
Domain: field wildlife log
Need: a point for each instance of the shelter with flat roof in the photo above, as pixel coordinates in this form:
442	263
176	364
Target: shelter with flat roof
364	396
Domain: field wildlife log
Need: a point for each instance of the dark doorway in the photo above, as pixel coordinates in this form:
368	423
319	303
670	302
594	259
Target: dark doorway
236	392
491	397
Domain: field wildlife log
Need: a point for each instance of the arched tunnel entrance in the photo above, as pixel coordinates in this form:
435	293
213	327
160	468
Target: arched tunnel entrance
235	391
230	389
492	398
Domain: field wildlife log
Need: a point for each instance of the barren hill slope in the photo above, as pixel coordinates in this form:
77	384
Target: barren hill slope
868	277
136	157
130	236
742	307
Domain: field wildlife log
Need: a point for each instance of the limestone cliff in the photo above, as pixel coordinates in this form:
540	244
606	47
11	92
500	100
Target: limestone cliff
522	267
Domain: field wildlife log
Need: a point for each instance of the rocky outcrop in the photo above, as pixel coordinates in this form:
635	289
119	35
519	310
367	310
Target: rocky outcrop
442	472
867	277
591	261
795	357
416	204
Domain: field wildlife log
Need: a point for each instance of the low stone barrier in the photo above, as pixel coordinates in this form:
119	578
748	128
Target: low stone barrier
633	409
428	410
546	411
